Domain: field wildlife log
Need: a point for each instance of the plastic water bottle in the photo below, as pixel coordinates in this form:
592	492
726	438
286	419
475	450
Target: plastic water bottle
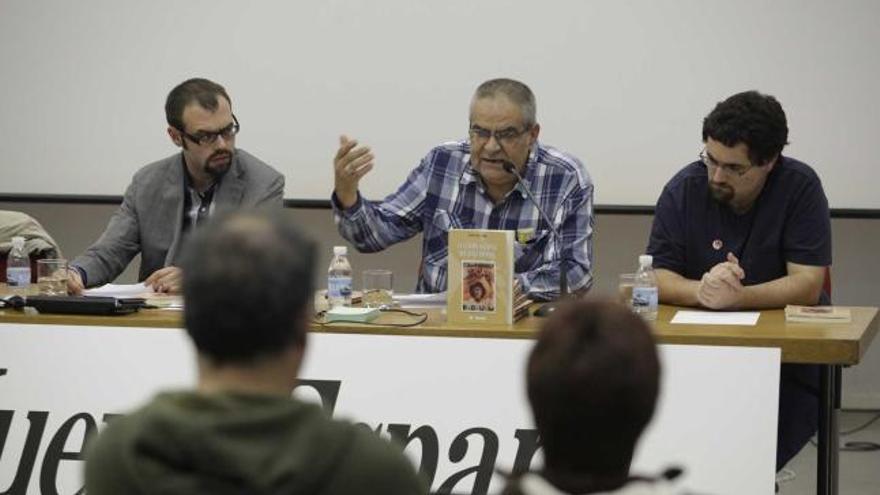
18	268
339	278
645	294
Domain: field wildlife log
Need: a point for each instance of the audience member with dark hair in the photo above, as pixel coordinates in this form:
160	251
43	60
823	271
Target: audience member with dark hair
169	198
745	227
248	292
593	378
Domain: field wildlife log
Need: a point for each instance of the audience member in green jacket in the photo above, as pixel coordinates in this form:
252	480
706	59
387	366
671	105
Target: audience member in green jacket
247	296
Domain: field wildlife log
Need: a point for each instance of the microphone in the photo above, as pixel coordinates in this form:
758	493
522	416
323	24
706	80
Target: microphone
548	308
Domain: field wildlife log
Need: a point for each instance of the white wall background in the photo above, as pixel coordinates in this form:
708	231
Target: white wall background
623	84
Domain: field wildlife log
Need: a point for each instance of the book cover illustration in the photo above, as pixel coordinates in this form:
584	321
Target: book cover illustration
478	286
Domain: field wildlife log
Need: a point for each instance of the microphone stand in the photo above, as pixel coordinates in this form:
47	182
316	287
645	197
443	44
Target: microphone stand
548	307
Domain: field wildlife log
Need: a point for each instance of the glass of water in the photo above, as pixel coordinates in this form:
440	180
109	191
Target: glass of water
52	277
378	288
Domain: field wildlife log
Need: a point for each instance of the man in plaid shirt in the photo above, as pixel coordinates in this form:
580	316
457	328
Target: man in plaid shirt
464	185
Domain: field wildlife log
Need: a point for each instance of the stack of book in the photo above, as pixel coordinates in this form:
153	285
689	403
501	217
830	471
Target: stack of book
521	303
817	314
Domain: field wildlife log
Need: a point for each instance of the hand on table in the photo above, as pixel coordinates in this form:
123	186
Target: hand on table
75	286
168	280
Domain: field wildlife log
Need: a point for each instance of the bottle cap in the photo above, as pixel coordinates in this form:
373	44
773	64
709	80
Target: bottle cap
646	260
18	241
340	250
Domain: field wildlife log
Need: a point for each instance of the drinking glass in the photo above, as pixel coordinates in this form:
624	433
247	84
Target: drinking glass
52	276
378	288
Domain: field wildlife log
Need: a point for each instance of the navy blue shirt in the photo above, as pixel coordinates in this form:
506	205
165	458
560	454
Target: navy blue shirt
789	222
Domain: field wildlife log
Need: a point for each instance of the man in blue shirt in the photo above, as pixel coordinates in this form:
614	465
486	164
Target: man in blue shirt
464	185
745	227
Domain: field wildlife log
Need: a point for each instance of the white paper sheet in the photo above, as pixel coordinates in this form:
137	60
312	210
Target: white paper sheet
749	318
120	290
421	300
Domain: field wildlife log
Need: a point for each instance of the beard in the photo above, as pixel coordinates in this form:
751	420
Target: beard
721	193
218	163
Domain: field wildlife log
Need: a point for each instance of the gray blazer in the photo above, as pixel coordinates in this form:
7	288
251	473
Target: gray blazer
150	219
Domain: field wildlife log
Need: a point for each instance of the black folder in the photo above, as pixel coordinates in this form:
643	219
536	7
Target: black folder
85	305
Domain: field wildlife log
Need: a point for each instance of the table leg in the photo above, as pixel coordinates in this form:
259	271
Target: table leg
829	403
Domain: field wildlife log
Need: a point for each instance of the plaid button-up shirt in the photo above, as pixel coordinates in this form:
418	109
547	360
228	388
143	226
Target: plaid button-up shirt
445	192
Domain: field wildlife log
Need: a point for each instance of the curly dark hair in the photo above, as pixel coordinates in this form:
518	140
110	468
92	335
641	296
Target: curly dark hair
754	119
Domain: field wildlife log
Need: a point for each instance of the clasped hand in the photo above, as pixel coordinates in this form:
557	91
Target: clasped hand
721	287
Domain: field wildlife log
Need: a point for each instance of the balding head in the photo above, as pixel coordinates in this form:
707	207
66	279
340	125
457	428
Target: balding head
247	287
515	91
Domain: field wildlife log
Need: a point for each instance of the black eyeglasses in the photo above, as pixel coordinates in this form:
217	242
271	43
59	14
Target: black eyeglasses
729	168
204	138
507	135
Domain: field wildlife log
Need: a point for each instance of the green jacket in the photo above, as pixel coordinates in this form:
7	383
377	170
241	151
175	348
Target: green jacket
191	443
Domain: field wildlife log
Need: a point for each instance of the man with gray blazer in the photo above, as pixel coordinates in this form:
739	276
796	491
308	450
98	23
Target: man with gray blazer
169	198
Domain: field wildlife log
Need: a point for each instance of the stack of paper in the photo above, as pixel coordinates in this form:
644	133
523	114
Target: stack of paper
421	300
127	291
120	290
